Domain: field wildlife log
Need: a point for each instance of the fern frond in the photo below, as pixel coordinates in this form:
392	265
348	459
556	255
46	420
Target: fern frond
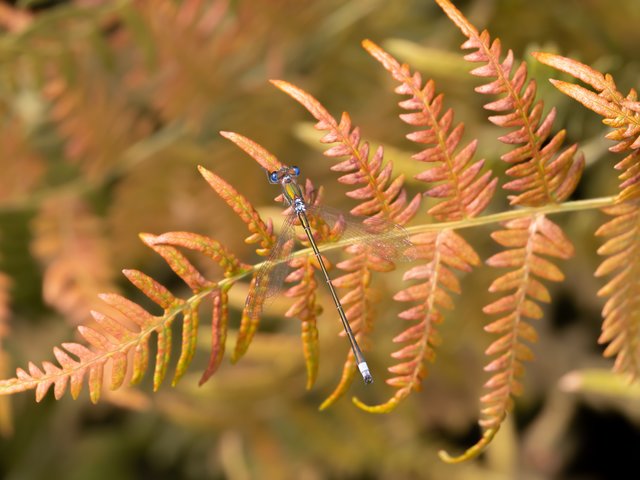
443	252
165	245
621	326
542	174
250	318
464	194
528	241
620	112
119	343
183	54
69	243
306	309
95	119
261	232
266	159
111	343
381	198
359	302
219	322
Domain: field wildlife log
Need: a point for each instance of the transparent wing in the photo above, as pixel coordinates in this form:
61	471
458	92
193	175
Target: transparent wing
388	240
270	276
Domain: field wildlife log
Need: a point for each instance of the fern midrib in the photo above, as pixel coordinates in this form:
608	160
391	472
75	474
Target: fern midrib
470	222
442	140
102	357
428	324
520	298
363	166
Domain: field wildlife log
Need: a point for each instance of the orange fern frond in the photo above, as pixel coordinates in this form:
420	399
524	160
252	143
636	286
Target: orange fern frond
305	307
541	174
183	56
359	302
261	231
119	342
528	240
464	194
381	198
443	252
95	119
620	112
621	326
165	245
69	243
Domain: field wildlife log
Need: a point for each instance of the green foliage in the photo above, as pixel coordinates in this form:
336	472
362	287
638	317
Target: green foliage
98	130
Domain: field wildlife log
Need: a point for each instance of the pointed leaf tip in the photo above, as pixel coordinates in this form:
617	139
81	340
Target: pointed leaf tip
256	151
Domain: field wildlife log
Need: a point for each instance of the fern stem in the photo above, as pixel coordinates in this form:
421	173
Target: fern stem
573	206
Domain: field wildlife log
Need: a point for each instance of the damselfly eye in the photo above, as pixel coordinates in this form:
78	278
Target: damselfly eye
273	177
296	171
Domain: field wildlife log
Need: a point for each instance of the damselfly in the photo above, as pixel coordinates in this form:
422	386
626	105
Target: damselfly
389	241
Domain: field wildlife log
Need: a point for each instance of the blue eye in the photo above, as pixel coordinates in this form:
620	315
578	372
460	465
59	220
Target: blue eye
296	171
273	177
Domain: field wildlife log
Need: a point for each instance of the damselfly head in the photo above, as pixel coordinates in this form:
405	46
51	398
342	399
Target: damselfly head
285	174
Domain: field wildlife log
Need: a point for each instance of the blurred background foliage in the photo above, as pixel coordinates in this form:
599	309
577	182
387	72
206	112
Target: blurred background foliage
106	108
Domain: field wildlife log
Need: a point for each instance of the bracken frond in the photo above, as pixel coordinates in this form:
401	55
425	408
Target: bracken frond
261	232
381	198
621	313
250	316
620	112
359	302
541	174
464	194
528	240
441	253
182	56
305	307
70	245
304	268
118	344
95	119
